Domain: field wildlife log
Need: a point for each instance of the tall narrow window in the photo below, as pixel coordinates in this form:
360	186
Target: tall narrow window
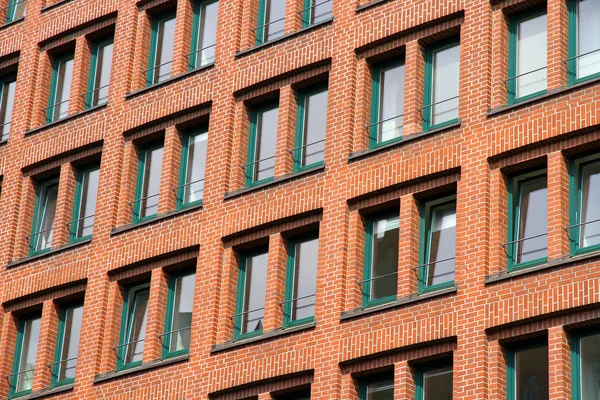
438	240
161	49
387	105
380	389
442	74
585	360
7	102
67	346
527	373
585	228
381	260
176	339
271	20
193	168
528	239
316	11
15	10
584	39
311	127
263	141
60	88
84	209
145	205
252	286
204	33
100	69
43	220
133	327
435	383
301	281
527	56
28	333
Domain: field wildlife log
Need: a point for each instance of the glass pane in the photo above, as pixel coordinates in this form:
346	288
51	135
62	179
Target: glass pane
266	141
70	345
164	49
305	279
207	34
254	293
385	258
533	220
274	21
315	124
446	73
6	107
590	206
590	367
151	184
381	390
391	103
89	194
103	69
29	348
138	313
588	37
16	10
321	11
437	384
63	88
531	374
196	168
442	235
531	55
47	212
182	313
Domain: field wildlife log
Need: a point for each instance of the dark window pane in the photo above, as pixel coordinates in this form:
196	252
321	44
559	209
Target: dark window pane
196	167
47	203
29	348
6	107
321	11
315	123
103	70
381	390
70	344
151	183
590	206
590	367
588	37
446	73
391	103
182	312
60	108
531	55
385	258
305	279
16	9
533	220
207	34
274	23
531	374
165	41
254	293
442	240
87	209
138	314
437	384
266	141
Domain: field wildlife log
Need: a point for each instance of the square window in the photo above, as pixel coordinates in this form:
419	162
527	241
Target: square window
162	43
387	104
40	239
584	40
84	208
178	324
262	145
435	382
60	88
67	345
315	11
204	34
15	10
251	294
193	168
271	20
301	281
584	231
28	334
8	85
145	204
585	359
133	327
100	69
527	371
311	126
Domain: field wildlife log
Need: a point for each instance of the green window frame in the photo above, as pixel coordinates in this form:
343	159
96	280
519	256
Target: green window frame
244	290
580	391
515	200
316	11
157	42
577	172
192	171
425	243
40	240
204	31
378	119
100	71
255	157
179	284
84	207
576	53
306	155
27	329
60	88
389	219
8	86
296	297
70	317
433	369
512	364
15	10
144	198
268	30
376	384
135	297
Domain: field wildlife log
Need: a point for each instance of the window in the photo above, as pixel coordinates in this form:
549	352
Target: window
434	383
40	239
15	10
100	68
584	40
145	205
527	373
387	104
438	240
311	126
193	168
204	34
380	389
161	49
176	339
251	293
442	73
7	102
381	260
133	327
316	11
527	56
262	145
60	88
21	379
585	208
86	194
67	346
585	359
301	281
271	20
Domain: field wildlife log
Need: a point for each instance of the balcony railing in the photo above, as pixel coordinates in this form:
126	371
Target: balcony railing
156	78
5	135
308	14
185	185
33	243
298	153
52	365
74	230
95	101
50	112
193	58
9	13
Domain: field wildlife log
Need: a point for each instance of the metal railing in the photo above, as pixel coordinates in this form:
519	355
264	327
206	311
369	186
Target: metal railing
432	262
156	78
523	239
246	312
281	303
52	118
524	73
128	343
581	224
311	17
5	135
360	283
12	7
174	331
580	55
9	376
264	38
245	166
34	243
132	203
303	147
436	103
176	189
191	56
68	224
51	365
99	100
384	121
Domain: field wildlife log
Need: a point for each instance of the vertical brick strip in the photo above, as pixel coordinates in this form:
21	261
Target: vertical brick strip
275	282
81	72
64	205
559	363
558	206
156	315
558	43
408	246
46	346
285	131
414	80
169	178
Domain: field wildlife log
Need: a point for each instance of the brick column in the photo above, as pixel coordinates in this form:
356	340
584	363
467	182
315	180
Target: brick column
559	364
286	131
356	262
364	89
157	306
241	134
128	182
64	205
415	80
499	223
225	325
25	222
46	346
408	246
183	34
42	91
497	371
404	381
349	390
169	177
248	23
558	43
558	206
275	292
81	71
499	58
293	16
142	46
114	314
8	342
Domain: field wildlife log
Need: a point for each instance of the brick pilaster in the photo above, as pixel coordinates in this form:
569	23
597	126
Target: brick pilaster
558	43
275	292
169	177
414	81
408	245
46	346
81	73
155	323
559	364
286	131
558	206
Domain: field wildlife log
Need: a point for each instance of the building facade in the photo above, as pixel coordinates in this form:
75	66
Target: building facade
294	199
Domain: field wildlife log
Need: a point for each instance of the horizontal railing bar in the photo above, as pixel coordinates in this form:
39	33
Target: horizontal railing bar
187	184
385	120
80	219
269	23
126	344
433	262
439	102
20	372
377	277
6	123
14	4
525	73
527	238
158	66
38	232
94	90
306	145
56	104
581	55
175	331
257	161
583	223
143	198
314	6
297	298
63	361
199	50
246	312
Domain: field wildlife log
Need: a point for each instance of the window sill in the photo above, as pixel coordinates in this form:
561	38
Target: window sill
273	42
274	182
47	392
11	23
155	219
168	81
399	143
64	120
369	5
413	298
144	367
54	5
265	336
51	252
